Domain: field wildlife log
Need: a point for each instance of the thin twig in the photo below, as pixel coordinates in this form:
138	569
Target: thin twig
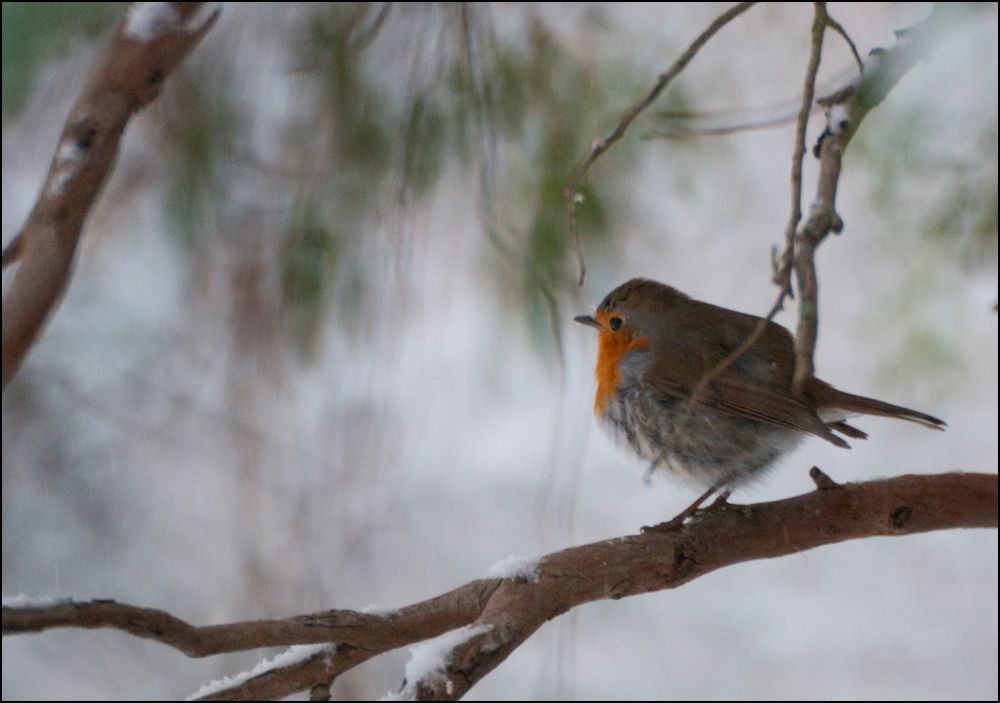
856	101
783	275
836	26
600	145
730	359
845	111
789	255
676	131
666	124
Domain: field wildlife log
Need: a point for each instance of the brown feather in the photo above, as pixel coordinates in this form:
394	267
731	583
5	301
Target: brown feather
825	395
692	337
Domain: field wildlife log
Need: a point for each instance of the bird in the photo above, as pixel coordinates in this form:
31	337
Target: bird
664	391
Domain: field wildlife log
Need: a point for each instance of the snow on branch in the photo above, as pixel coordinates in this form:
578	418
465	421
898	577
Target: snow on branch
494	616
292	657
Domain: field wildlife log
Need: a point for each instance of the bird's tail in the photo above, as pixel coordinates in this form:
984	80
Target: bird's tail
825	395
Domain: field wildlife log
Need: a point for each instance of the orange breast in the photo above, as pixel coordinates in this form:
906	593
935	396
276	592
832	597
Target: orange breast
611	347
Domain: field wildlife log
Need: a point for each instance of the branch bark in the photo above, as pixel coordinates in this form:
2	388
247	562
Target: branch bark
150	41
845	111
506	612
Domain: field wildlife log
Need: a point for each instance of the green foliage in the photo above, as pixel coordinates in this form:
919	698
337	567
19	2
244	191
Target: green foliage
424	146
359	114
308	262
509	91
199	135
379	129
35	32
560	98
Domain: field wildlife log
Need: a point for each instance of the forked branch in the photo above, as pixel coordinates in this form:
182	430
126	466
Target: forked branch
500	614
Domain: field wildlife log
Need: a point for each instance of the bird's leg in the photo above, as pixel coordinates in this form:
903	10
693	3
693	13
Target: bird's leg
676	522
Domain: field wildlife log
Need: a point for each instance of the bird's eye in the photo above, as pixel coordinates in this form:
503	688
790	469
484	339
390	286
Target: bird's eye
615	323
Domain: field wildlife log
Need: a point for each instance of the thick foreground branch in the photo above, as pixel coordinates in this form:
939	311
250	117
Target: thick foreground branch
151	40
498	614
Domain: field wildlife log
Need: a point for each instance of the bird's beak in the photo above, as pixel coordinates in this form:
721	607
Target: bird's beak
588	320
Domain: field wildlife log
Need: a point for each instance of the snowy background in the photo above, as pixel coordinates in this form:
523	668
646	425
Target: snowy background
294	371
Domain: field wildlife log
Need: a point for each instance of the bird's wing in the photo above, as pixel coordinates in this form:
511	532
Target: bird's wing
752	400
757	386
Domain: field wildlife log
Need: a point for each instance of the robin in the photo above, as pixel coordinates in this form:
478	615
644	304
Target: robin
655	345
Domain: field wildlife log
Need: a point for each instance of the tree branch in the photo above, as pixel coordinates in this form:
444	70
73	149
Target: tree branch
150	41
800	247
845	111
503	613
784	273
839	29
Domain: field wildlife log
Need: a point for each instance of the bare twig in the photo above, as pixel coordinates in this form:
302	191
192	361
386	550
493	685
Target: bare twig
600	145
699	390
836	26
845	111
692	129
799	253
503	613
666	124
149	43
783	275
822	481
363	630
799	250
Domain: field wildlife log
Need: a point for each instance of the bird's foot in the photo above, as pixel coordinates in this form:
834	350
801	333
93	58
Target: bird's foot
720	503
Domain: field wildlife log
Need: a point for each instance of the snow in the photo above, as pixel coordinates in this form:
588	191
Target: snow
23	601
145	21
515	566
432	409
291	656
837	118
872	62
57	184
69	152
69	160
429	659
